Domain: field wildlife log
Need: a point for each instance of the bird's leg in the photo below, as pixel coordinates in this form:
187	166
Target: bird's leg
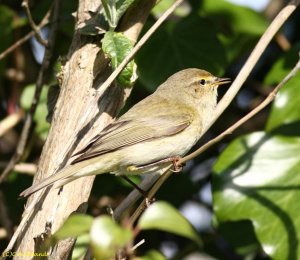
143	193
177	166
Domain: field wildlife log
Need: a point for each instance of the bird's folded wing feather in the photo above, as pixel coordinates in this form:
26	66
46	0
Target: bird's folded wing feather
130	131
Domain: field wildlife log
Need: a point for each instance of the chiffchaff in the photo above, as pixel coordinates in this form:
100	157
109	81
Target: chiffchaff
164	125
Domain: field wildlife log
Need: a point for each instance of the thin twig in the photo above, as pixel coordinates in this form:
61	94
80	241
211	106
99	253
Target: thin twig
141	42
38	89
18	43
151	193
250	63
244	119
35	28
137	245
262	44
133	196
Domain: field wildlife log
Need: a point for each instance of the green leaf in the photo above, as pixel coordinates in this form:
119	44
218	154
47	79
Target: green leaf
6	26
114	9
42	126
285	113
234	232
74	226
191	42
163	216
238	27
117	47
6	29
107	237
257	178
81	246
151	255
233	18
162	6
283	66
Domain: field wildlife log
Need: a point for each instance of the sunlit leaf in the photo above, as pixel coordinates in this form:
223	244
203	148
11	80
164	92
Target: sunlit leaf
164	217
74	226
162	6
257	178
107	237
285	113
81	246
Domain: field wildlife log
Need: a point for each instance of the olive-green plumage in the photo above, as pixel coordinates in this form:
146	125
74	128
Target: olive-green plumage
166	124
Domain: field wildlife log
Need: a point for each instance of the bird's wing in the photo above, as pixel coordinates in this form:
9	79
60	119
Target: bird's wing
131	131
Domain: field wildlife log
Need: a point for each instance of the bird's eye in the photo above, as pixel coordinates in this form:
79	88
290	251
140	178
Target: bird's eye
202	82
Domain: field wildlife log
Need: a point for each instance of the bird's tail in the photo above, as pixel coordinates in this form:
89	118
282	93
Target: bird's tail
64	176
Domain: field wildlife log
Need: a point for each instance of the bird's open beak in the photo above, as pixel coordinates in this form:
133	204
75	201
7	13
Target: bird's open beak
222	81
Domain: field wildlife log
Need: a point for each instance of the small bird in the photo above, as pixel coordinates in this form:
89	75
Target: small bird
147	138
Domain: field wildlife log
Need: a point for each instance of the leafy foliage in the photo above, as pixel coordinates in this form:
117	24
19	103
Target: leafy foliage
256	178
107	237
285	116
114	10
117	47
163	216
74	226
179	45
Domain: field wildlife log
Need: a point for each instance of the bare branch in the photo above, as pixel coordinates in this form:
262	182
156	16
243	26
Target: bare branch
133	196
18	43
151	193
35	28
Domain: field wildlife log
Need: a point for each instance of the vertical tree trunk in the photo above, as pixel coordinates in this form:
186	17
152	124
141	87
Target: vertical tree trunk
77	110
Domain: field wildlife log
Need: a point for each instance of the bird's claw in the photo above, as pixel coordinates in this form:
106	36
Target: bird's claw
177	167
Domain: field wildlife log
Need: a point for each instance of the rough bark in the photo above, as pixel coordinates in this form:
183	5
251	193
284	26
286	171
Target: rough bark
81	111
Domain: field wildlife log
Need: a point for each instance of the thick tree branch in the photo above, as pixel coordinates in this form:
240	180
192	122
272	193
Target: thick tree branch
82	103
